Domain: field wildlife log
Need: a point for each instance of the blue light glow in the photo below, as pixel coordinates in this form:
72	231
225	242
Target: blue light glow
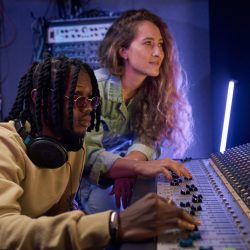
227	116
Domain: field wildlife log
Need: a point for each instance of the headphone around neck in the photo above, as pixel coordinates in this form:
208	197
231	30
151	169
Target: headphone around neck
43	151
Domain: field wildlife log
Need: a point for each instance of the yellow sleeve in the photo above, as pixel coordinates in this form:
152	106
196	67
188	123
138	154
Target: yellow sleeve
71	230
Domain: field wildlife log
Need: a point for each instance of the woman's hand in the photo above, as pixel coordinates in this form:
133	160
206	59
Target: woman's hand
154	167
151	216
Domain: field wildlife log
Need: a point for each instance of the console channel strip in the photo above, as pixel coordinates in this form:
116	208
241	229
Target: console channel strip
218	194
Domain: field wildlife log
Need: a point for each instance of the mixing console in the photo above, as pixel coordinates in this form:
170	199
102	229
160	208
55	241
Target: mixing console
219	195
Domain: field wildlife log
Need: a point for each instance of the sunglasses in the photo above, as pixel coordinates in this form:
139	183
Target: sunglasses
82	101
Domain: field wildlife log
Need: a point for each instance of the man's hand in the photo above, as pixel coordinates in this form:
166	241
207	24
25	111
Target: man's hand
123	188
151	216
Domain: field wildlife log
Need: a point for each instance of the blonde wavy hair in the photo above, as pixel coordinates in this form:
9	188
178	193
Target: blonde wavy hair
162	110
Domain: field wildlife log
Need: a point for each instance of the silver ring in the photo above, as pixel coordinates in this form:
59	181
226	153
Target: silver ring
168	201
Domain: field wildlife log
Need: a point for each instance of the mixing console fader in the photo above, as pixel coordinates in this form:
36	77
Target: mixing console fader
219	195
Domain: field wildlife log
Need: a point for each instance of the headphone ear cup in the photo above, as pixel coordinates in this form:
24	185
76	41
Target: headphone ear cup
45	152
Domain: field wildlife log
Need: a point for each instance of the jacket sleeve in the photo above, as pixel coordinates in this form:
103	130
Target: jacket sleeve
69	230
148	151
98	160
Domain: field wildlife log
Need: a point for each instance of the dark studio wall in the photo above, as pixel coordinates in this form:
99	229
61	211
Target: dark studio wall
187	19
230	59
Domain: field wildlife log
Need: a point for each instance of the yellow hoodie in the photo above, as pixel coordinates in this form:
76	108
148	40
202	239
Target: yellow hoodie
35	202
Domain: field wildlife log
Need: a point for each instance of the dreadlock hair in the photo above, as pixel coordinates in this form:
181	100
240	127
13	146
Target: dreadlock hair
49	77
95	114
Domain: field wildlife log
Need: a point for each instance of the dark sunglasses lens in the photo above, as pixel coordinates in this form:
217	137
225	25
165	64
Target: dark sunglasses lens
82	101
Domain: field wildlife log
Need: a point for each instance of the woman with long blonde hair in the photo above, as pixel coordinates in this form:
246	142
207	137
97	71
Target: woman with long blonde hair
144	104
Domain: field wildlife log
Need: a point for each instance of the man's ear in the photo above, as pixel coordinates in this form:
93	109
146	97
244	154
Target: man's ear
33	95
123	53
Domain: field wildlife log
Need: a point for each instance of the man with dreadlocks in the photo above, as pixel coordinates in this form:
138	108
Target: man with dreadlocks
41	157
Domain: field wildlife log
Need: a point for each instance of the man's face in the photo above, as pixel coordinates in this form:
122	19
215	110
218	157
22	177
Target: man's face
81	118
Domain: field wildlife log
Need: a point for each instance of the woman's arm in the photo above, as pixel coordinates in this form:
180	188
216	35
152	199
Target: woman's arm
129	168
136	155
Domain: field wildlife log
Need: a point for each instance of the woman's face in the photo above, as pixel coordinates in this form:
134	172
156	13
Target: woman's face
145	54
82	116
